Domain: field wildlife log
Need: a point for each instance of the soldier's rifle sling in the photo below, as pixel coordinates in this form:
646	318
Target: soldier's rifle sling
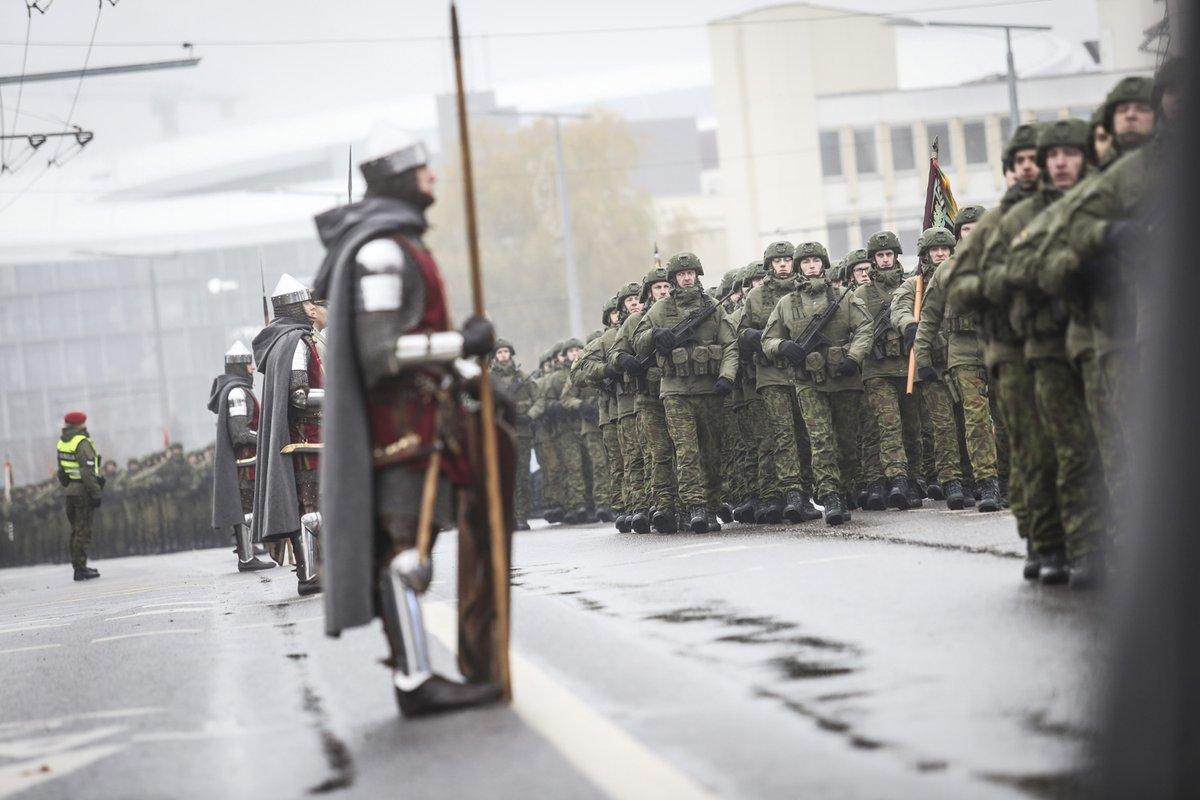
880	325
682	330
811	338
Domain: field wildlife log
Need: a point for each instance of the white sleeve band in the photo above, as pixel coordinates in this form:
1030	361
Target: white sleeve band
428	348
237	403
300	357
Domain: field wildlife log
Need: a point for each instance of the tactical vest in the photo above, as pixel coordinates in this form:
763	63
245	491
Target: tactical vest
67	459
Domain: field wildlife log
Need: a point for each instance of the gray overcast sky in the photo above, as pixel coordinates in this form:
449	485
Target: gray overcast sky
244	81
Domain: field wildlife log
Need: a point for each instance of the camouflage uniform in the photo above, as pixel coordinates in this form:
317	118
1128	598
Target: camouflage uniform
565	437
512	381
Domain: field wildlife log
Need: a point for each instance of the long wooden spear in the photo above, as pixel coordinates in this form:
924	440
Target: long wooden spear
491	456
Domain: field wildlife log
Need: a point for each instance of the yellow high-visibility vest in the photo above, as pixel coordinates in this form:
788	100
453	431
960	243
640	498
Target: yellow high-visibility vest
67	459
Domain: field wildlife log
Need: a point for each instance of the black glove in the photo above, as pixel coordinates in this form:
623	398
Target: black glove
96	502
848	368
664	340
910	336
927	373
629	364
479	337
723	386
750	340
791	351
612	373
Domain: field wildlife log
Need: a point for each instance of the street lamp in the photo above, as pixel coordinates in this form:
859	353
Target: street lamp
1014	113
574	309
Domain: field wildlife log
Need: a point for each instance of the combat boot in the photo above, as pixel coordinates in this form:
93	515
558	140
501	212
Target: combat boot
914	495
522	525
793	507
578	516
846	505
699	520
863	496
745	511
921	486
954	495
604	514
835	511
713	521
899	492
989	493
1087	571
1003	492
876	497
725	513
640	522
1033	562
934	491
254	565
86	574
622	524
770	513
665	520
1053	569
553	515
808	512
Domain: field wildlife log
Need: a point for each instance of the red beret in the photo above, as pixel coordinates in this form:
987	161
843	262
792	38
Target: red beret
75	418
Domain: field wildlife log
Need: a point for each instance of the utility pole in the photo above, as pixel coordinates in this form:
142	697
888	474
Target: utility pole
574	302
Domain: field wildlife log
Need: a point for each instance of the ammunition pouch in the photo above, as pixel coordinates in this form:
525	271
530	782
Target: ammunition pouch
678	364
893	345
960	324
834	357
814	365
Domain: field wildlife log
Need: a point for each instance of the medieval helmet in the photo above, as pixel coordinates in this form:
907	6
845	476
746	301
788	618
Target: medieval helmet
1133	88
238	354
810	249
681	261
966	216
935	237
391	150
1023	138
288	292
1062	133
884	240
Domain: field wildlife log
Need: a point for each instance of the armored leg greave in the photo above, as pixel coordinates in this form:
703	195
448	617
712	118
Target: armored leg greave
245	548
306	546
401	583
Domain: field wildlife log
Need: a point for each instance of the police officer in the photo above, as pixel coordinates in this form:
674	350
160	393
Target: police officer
79	471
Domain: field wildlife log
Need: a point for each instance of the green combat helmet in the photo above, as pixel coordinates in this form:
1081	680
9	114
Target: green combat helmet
609	307
809	249
504	343
755	269
1062	133
884	240
837	272
682	261
631	289
596	334
1134	88
569	343
656	275
935	237
967	216
731	277
777	250
1023	138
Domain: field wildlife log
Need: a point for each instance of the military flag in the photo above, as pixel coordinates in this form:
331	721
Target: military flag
940	211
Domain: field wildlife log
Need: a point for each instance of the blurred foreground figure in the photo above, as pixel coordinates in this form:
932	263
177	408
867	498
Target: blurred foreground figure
403	456
232	400
286	488
79	471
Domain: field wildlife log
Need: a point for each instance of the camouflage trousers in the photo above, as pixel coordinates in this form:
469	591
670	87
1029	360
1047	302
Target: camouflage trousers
1062	407
741	474
1104	410
523	487
785	444
943	452
755	421
1033	491
616	466
598	470
832	422
869	467
694	422
971	387
79	514
660	458
1003	451
634	494
898	418
568	444
547	456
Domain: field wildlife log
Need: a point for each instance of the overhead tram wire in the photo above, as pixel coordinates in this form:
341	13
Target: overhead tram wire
79	86
437	38
20	83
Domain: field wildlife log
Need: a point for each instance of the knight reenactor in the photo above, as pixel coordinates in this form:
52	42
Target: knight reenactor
403	457
232	400
286	486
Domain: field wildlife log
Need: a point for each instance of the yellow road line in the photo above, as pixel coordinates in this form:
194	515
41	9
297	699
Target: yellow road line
615	762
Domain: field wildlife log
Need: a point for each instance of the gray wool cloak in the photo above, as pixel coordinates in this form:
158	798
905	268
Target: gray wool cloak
276	505
227	499
347	479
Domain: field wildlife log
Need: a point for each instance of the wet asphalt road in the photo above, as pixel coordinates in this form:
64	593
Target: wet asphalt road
898	656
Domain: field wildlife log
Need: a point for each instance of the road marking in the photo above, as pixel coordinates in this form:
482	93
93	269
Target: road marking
48	723
22	775
170	632
592	743
677	548
23	628
44	745
27	649
834	558
102	595
179	603
159	611
276	624
732	548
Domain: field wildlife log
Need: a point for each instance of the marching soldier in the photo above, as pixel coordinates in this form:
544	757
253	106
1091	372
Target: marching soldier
523	393
403	457
584	399
286	487
232	400
566	438
79	471
543	441
827	370
695	349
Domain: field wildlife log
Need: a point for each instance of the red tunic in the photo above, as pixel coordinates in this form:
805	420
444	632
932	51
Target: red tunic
305	429
418	412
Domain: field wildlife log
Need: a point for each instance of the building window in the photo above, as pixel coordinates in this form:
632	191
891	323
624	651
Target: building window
902	148
864	151
908	237
867	226
838	239
975	138
941	132
831	154
1006	130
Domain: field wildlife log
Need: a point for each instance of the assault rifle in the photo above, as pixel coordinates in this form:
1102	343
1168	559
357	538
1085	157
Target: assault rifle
882	324
811	337
683	329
